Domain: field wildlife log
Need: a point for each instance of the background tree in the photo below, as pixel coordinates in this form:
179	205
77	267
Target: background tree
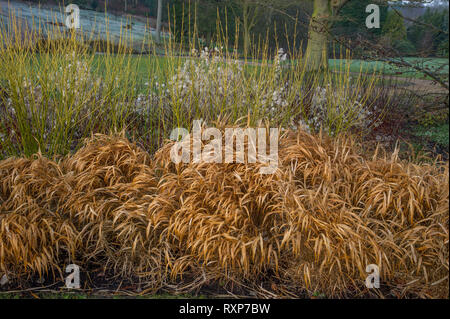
430	35
284	23
199	19
249	11
394	28
350	26
324	12
158	21
394	34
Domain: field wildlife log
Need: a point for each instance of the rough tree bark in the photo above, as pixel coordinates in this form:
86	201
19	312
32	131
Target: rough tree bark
317	49
316	56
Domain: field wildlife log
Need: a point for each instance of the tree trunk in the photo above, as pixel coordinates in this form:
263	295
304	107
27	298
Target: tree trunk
269	18
316	56
246	13
158	21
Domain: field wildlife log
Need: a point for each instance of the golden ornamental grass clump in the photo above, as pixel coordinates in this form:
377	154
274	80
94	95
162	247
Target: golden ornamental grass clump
312	226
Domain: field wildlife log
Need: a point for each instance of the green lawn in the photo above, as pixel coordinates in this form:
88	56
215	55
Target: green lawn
148	66
356	66
438	134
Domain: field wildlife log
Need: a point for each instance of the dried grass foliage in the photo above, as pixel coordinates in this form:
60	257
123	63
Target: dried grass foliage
312	226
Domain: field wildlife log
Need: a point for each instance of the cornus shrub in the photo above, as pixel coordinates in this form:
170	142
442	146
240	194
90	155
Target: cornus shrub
314	225
212	84
51	99
338	110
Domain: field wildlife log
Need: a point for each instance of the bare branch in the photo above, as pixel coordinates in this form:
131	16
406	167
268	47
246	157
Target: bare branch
420	22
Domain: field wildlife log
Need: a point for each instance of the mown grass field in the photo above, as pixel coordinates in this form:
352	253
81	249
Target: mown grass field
149	64
384	68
